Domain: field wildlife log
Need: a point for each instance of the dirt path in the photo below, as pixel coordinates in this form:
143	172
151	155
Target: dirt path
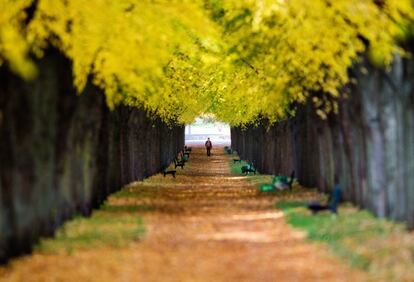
205	225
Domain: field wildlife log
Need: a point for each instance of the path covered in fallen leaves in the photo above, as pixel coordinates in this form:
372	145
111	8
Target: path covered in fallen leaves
204	225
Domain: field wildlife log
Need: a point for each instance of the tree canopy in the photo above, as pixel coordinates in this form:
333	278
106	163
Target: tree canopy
240	60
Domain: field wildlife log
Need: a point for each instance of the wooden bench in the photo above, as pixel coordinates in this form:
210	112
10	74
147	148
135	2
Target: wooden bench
172	172
179	163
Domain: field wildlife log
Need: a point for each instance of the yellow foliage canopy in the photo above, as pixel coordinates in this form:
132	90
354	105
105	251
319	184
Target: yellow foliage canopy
241	60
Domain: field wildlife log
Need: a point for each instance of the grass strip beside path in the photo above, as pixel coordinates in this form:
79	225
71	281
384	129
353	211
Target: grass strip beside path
235	168
381	247
115	224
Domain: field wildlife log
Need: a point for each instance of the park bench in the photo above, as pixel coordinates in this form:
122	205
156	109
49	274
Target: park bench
280	182
172	172
332	204
284	182
184	156
228	150
179	163
246	169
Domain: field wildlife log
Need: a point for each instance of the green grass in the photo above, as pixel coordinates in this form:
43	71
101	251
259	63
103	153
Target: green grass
257	178
127	208
236	167
110	226
345	233
382	248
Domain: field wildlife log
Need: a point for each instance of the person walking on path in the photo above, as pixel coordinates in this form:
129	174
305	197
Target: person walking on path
208	145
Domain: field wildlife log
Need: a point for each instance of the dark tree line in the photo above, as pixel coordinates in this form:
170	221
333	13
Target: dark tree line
63	153
369	144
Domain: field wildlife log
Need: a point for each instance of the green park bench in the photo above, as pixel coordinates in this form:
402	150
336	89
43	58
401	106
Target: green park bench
185	156
332	204
246	169
280	182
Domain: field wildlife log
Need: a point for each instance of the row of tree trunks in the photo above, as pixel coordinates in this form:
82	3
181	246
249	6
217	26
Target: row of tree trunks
368	145
63	153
